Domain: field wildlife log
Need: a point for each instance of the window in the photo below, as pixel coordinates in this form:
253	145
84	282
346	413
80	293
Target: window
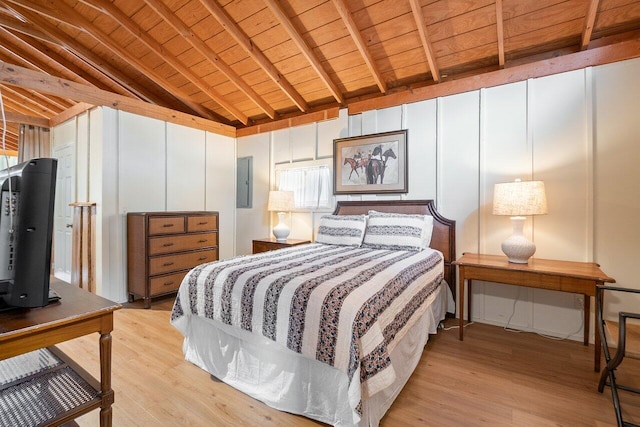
310	183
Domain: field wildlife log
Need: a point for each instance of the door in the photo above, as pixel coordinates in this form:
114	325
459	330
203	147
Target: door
63	214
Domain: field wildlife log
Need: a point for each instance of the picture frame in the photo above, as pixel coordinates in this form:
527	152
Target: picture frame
371	164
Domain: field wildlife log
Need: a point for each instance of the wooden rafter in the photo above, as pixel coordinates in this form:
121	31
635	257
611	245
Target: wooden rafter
18	76
26	98
81	74
69	16
589	22
27	120
304	49
213	58
418	16
52	35
256	54
155	47
500	31
361	45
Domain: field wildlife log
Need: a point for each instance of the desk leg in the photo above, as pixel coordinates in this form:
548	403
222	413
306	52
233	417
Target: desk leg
587	318
106	412
461	305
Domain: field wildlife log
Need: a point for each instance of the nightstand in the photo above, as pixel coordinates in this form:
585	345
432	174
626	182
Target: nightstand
270	244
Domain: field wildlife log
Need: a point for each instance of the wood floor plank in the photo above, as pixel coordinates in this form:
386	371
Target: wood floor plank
492	378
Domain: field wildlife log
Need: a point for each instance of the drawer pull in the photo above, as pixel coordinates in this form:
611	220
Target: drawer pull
167	264
202	258
168	283
168	225
203	223
167	244
202	241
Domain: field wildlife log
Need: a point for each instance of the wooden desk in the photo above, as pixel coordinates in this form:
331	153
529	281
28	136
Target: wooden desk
77	313
565	276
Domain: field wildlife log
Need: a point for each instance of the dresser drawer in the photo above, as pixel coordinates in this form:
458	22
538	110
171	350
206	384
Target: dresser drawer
168	283
202	223
169	263
184	242
166	225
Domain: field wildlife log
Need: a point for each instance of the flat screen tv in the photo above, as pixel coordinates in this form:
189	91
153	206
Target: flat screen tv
27	197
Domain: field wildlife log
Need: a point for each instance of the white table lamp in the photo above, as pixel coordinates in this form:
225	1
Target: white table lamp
280	202
518	199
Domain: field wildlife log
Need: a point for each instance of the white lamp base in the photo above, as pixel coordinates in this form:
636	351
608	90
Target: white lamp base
517	247
281	231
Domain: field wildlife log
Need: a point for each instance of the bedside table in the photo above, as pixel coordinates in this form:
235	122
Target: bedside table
270	244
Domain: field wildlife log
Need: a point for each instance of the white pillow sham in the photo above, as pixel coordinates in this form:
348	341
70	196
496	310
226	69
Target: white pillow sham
345	230
398	231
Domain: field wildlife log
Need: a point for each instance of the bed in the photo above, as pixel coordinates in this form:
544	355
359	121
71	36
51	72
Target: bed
331	330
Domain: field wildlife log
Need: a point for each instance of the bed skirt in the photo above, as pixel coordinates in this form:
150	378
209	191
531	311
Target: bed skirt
287	381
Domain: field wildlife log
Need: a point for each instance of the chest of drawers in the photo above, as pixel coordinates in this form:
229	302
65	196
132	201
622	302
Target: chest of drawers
163	246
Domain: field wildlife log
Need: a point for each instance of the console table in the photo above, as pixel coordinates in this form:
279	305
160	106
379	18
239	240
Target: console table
565	276
27	358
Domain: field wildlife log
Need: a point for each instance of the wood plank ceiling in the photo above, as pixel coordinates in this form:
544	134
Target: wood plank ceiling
247	62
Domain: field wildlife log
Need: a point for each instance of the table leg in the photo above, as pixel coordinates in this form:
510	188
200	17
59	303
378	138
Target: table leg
587	318
106	412
461	305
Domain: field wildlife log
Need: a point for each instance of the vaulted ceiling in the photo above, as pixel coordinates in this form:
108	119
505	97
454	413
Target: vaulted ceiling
243	63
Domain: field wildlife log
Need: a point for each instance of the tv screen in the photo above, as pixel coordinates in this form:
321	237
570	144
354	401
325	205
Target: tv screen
27	196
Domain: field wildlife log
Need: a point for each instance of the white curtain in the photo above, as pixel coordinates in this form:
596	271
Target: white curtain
311	186
33	142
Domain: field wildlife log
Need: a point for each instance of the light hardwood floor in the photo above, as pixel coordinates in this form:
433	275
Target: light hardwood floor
493	378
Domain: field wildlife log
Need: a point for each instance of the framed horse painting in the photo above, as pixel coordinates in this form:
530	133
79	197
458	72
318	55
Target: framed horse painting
370	164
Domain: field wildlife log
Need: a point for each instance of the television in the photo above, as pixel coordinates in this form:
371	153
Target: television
27	197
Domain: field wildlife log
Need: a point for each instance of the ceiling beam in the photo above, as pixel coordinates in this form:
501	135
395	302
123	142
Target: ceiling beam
71	17
500	31
361	45
418	16
23	77
76	110
26	120
56	37
595	56
211	56
134	29
25	97
305	49
589	22
256	54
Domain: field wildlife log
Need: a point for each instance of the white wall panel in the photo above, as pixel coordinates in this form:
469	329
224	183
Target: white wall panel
420	120
329	130
617	189
254	223
458	165
389	119
221	189
82	158
142	163
303	142
560	159
505	154
281	142
185	168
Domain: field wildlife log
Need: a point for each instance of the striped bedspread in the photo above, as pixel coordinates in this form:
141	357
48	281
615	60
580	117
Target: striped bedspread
343	306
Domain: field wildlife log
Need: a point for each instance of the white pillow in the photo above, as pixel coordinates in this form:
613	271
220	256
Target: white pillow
398	231
346	230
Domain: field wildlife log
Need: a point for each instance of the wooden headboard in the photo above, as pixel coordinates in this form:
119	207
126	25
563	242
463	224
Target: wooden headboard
444	230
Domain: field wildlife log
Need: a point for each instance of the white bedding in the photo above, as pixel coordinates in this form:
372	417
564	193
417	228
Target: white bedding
230	338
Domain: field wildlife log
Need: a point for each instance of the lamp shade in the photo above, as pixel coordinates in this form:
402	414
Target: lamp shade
280	201
519	198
